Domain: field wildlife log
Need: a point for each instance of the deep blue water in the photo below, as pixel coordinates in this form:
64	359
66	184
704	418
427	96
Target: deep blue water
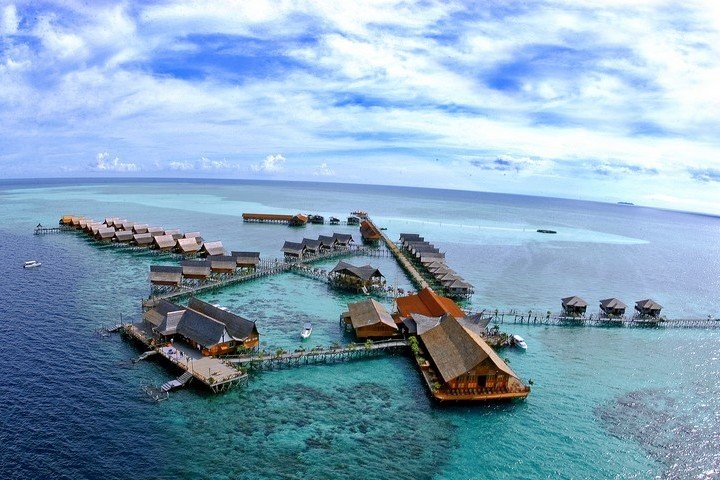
607	403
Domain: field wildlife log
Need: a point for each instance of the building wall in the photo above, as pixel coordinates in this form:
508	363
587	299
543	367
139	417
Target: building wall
379	330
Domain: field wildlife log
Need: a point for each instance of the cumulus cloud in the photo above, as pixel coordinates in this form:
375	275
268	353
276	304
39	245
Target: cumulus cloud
619	168
324	171
705	174
182	166
104	164
9	20
271	164
505	163
204	164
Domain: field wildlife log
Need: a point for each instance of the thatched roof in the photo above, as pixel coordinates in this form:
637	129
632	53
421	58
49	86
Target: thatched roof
574	301
140	228
213	248
105	233
237	326
165	275
123	236
187	245
142	238
195	235
419	323
342	238
365	272
165	317
293	248
428	303
456	350
326	240
648	304
196	268
155	231
612	304
246	258
311	244
164	241
409	237
369	312
222	263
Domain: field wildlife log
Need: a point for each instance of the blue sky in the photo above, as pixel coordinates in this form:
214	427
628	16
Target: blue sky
602	100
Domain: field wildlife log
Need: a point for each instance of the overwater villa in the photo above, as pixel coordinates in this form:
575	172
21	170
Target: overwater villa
156	231
343	240
196	269
369	232
370	319
312	247
222	264
428	303
355	278
142	239
211	249
105	234
574	306
648	308
123	236
210	329
166	275
458	365
174	232
293	251
140	228
187	246
327	243
164	242
612	307
246	260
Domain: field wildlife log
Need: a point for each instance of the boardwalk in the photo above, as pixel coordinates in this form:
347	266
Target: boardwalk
529	318
318	355
415	276
40	230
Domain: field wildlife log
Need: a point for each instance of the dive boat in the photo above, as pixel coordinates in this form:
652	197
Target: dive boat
32	264
518	341
307	330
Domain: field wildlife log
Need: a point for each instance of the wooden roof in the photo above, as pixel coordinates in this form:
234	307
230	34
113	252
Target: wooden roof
369	231
365	272
237	326
408	237
612	303
420	323
123	235
311	244
140	227
246	254
192	235
105	233
165	275
164	241
326	240
213	248
429	303
155	231
222	262
342	238
370	312
188	245
143	238
456	350
574	301
648	304
293	247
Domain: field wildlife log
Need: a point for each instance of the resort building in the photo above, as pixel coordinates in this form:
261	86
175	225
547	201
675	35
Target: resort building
461	366
196	269
369	319
410	237
156	231
140	228
175	232
222	264
123	236
187	246
648	308
164	242
105	234
128	225
212	249
208	328
165	275
342	240
612	307
326	242
574	306
142	239
246	260
361	278
312	247
427	303
293	251
369	232
194	235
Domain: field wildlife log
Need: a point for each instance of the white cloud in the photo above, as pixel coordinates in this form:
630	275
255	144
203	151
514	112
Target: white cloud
9	20
104	164
324	171
181	166
271	164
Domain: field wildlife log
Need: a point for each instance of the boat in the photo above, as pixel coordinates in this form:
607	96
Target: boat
307	330
32	264
542	230
517	340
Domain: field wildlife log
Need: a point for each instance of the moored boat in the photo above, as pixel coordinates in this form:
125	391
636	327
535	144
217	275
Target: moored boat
32	264
518	341
307	330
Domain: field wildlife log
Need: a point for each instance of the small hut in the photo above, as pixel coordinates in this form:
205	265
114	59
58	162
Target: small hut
196	269
212	249
142	239
123	236
222	264
166	275
428	303
127	225
312	247
105	234
612	307
156	231
327	243
140	228
187	246
246	260
574	306
196	236
648	308
357	278
370	319
410	237
293	250
175	232
164	242
342	240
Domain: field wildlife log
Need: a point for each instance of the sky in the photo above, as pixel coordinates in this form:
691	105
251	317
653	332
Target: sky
598	99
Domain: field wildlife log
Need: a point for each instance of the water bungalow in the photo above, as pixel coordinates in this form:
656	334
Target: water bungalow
369	232
293	250
612	307
648	308
326	242
212	249
410	237
343	240
140	228
353	221
123	236
66	220
194	235
156	231
166	275
246	260
142	239
188	246
175	232
127	225
574	306
311	246
105	234
369	319
203	326
356	278
462	366
164	242
458	287
428	303
222	263
196	269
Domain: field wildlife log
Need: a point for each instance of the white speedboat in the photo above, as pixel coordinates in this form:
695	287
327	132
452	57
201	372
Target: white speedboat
518	341
307	330
32	264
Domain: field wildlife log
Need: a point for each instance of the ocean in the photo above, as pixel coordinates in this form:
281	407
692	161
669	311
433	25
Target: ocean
606	402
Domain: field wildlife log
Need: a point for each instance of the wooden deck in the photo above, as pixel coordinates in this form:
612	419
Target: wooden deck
513	318
413	272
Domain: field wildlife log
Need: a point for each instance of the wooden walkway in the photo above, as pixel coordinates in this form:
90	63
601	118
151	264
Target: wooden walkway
595	321
415	276
40	230
349	352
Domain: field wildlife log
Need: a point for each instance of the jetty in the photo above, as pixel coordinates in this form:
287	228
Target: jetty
296	220
415	276
540	319
41	230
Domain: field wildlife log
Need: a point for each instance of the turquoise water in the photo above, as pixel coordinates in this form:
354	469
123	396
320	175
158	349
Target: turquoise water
606	403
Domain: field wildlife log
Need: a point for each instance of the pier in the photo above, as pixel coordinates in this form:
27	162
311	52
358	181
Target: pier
40	230
292	220
530	318
415	276
353	351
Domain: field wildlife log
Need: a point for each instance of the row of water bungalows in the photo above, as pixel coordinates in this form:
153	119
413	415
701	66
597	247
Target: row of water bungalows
308	247
173	275
433	261
611	308
455	361
143	235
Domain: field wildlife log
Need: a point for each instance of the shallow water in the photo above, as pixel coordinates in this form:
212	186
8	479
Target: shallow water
606	403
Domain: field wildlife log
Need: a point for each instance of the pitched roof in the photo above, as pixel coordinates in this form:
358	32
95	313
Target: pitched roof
202	329
612	303
648	304
311	244
365	272
165	274
293	247
213	248
422	323
456	350
164	241
245	254
342	237
326	240
123	235
188	245
192	235
143	238
237	326
369	312
574	301
407	237
429	303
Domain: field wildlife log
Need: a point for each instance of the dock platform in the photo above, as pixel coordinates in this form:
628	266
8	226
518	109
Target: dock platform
413	272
